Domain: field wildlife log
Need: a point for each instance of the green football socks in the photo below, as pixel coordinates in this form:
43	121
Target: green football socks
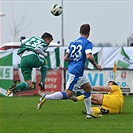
43	73
21	86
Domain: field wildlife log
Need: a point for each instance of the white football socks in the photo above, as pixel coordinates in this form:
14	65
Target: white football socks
54	96
87	102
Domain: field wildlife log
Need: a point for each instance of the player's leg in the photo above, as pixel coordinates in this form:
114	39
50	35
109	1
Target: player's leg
42	63
55	96
26	72
87	98
26	69
97	99
79	98
60	95
17	87
43	71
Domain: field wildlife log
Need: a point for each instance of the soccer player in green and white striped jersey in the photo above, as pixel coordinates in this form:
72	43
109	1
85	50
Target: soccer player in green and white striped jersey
32	53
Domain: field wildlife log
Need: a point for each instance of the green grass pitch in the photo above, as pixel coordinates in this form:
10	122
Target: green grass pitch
20	115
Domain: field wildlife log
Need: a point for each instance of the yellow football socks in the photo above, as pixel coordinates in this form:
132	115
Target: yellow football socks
96	110
80	98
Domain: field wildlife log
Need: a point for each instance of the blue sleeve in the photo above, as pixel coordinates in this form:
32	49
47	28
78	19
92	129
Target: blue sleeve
89	45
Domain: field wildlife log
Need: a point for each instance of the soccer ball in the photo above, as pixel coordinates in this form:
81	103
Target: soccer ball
56	10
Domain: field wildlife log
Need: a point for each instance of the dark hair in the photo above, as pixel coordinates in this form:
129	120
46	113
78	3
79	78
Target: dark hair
85	29
113	83
46	36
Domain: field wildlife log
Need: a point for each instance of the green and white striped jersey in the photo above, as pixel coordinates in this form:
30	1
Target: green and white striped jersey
31	43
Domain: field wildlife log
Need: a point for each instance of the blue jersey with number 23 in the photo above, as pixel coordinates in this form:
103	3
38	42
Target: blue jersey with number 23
77	51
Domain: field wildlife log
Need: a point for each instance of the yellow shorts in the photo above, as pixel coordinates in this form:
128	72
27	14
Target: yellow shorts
112	103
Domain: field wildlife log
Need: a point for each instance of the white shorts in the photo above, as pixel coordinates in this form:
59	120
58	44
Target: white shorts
75	82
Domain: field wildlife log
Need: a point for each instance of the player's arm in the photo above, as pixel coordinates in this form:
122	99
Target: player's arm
66	57
102	88
40	51
91	59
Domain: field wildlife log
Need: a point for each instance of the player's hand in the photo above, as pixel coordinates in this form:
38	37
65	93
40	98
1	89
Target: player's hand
99	67
46	54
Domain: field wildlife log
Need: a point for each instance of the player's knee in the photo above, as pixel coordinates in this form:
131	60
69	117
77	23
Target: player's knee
87	87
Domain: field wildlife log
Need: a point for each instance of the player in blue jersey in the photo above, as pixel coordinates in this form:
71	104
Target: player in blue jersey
76	54
32	53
